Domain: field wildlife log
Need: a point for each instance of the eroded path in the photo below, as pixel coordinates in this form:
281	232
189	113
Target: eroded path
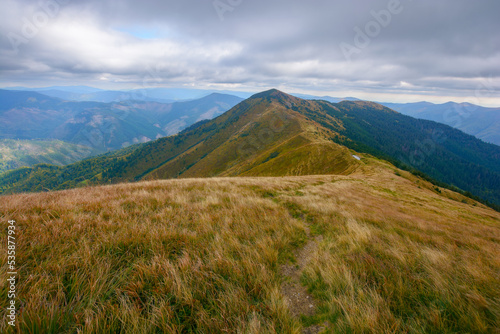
300	302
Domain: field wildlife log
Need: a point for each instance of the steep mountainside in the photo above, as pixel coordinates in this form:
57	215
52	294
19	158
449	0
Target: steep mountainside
273	133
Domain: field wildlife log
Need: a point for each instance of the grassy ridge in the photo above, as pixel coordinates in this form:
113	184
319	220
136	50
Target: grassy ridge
269	135
203	255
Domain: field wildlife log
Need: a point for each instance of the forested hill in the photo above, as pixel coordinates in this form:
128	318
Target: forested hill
440	151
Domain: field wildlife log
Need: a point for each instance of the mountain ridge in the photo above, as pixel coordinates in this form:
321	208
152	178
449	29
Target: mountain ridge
273	133
481	122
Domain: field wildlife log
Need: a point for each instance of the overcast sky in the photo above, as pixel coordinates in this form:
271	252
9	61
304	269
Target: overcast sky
379	50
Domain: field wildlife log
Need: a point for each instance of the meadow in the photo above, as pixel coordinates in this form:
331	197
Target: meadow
377	251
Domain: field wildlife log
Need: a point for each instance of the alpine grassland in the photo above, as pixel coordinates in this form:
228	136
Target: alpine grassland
376	251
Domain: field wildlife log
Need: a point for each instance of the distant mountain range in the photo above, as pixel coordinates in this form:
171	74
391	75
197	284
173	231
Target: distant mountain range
481	122
70	89
100	127
161	95
273	134
325	98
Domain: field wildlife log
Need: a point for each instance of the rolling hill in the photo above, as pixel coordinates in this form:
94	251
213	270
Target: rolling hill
275	134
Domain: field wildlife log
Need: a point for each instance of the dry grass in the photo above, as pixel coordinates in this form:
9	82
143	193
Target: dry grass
203	255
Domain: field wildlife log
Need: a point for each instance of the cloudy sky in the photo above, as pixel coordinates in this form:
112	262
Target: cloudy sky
390	50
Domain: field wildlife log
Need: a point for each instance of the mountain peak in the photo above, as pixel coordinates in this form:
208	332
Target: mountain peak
274	94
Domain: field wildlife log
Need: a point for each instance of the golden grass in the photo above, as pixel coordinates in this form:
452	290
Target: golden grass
203	255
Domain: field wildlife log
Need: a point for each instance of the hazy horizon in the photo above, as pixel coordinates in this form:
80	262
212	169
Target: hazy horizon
385	50
241	93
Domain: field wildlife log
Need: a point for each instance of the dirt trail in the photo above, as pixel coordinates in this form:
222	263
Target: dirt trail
300	302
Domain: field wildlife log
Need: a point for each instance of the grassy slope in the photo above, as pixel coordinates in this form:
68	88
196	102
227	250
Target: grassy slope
270	140
20	153
203	255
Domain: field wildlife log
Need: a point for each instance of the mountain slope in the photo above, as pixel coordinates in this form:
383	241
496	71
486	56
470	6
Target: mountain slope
24	153
253	139
481	122
444	153
247	140
273	133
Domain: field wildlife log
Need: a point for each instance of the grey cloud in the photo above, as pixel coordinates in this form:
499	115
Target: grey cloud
435	46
